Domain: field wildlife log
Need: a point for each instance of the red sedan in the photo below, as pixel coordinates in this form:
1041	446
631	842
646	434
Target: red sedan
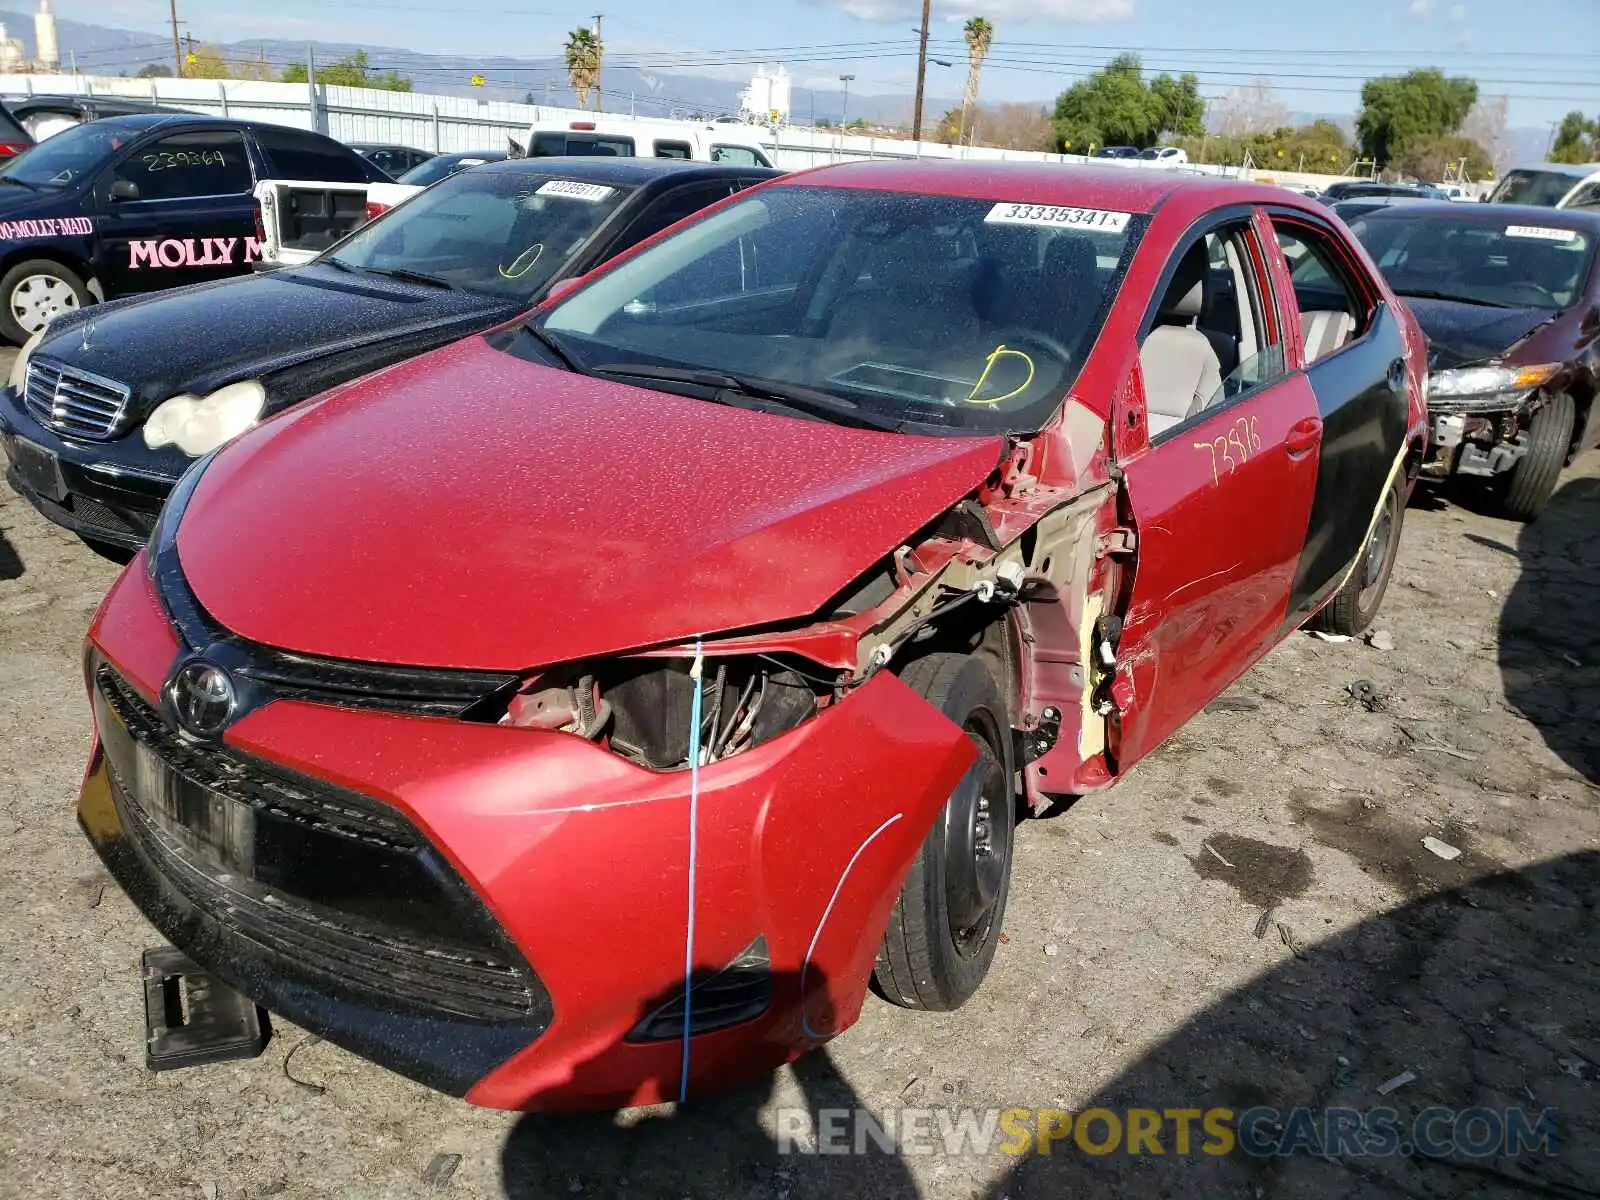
581	714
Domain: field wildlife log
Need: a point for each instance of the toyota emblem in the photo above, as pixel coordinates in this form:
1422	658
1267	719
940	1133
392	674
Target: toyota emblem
203	698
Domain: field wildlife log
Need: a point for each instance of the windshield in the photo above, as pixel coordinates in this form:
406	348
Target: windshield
932	310
1542	188
1484	262
437	168
504	233
68	156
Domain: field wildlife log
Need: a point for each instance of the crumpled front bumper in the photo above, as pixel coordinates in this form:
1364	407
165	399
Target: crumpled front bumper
584	861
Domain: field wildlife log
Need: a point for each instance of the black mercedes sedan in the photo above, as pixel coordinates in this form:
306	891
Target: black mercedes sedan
107	406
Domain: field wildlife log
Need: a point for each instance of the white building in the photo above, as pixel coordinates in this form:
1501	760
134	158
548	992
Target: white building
13	54
45	41
767	95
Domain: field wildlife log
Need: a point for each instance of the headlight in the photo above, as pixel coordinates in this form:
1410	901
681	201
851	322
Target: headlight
165	531
19	365
1489	384
199	426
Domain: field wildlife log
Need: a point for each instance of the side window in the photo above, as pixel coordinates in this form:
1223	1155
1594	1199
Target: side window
213	163
740	156
1588	196
294	154
673	150
559	145
672	208
1211	340
1332	313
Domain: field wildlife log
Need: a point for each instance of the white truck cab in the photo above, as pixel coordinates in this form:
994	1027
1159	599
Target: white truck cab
559	133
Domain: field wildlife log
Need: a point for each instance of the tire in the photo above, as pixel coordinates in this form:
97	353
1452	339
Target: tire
35	290
1532	481
946	923
1355	605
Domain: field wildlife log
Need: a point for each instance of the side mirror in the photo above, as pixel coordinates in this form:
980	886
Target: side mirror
561	287
124	189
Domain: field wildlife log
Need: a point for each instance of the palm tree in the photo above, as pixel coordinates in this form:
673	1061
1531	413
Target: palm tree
583	54
979	36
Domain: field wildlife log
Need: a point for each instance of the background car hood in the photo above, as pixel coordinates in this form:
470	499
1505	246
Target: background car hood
1462	334
470	509
195	339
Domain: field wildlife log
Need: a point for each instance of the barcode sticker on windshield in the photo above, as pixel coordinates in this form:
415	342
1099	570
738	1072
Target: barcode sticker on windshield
1050	214
1541	231
573	190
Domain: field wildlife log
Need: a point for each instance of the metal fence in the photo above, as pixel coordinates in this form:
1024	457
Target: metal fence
456	123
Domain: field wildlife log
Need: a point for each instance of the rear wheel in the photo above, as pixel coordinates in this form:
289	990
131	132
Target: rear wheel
946	923
34	291
1356	604
1530	484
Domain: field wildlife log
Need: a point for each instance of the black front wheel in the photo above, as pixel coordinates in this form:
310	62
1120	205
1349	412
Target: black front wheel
1355	605
946	923
1530	484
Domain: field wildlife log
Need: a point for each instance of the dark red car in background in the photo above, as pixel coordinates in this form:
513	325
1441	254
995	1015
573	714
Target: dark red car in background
597	704
1509	297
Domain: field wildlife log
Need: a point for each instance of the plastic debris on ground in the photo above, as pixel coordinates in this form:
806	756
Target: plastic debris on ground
1398	1082
1443	849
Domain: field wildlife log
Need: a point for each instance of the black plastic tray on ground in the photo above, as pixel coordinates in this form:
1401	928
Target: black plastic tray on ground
191	1017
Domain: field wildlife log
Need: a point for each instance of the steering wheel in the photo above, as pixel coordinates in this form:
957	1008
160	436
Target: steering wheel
1541	295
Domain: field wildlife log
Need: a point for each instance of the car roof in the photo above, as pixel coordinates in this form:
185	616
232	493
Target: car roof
385	146
626	171
139	122
1037	182
1579	219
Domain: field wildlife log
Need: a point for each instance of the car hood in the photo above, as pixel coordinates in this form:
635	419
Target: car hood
469	509
17	203
1462	334
196	339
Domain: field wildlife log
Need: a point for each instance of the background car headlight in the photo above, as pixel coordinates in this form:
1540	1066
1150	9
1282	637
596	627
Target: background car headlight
19	365
199	426
1491	383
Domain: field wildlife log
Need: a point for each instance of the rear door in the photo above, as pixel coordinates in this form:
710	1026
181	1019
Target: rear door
1351	348
1219	500
177	209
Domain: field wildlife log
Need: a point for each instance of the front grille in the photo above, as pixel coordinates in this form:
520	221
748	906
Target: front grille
326	882
76	403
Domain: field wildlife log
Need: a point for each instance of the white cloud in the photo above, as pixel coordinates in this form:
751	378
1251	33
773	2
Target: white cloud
1458	12
1077	11
1422	9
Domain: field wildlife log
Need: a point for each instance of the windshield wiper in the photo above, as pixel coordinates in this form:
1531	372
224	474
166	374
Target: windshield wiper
1425	294
32	187
790	395
552	344
404	274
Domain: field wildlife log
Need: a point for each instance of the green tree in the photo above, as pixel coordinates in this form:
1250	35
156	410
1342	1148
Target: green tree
1115	106
1577	139
353	70
154	71
1397	110
1429	158
583	54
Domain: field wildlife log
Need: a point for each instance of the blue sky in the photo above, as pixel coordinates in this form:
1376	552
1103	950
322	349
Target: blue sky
1541	54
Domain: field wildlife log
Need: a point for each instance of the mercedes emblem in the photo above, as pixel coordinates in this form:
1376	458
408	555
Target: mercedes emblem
203	698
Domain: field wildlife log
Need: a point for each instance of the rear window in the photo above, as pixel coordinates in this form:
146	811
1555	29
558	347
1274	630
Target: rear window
561	145
11	133
294	154
1543	188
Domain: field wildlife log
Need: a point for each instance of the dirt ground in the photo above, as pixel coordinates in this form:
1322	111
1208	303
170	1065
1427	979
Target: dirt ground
1250	919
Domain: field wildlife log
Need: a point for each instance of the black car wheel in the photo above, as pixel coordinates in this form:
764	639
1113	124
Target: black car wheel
1356	604
34	291
1531	482
946	922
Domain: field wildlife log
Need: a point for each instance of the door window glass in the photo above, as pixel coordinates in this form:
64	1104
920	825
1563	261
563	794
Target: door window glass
1332	313
740	156
184	165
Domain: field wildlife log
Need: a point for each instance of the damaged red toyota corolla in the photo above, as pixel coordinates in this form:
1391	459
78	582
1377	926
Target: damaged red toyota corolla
583	713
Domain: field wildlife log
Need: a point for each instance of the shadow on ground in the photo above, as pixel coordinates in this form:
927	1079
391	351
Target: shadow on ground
1550	627
10	562
1484	993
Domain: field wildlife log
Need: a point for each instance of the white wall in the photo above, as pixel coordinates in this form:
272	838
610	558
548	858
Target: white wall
453	123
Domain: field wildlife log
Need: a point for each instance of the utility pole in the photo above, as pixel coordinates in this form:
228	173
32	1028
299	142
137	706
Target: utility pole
922	71
844	109
600	66
177	54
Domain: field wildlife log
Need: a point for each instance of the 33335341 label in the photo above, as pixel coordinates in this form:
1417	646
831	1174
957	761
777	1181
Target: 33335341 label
1105	220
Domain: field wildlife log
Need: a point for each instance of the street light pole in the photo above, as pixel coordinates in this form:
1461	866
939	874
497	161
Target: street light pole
922	70
844	109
